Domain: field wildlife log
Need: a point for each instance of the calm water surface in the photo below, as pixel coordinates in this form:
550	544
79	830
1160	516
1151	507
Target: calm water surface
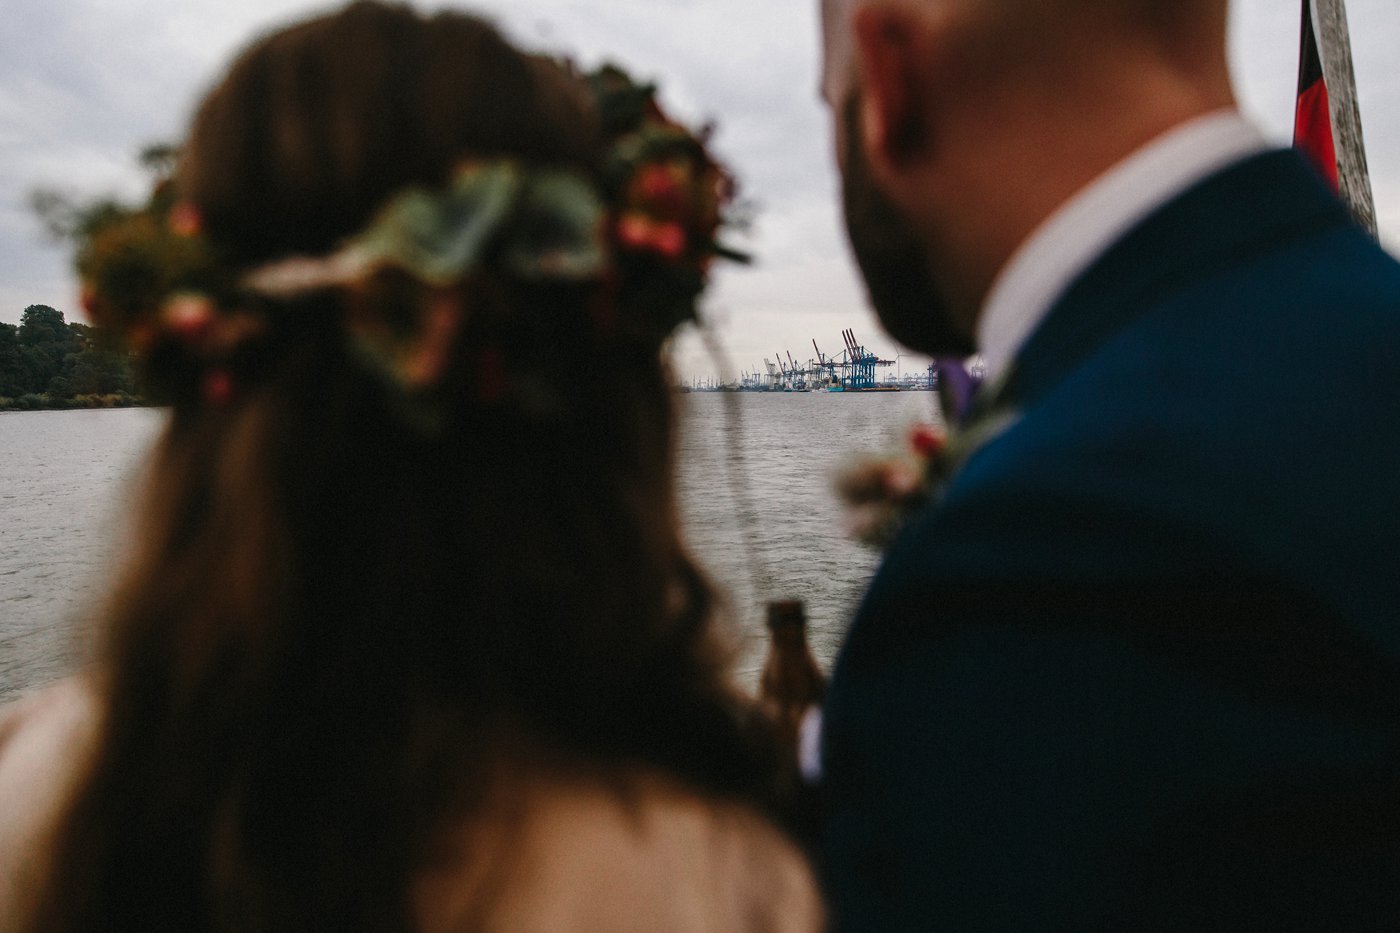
69	481
791	447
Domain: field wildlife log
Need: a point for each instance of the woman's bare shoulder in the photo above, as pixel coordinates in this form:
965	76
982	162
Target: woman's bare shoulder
44	738
633	851
44	722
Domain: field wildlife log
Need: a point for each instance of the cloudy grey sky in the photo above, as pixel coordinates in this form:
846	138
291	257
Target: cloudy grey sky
84	84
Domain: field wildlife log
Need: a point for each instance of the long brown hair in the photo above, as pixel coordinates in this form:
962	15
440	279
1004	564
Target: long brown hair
336	617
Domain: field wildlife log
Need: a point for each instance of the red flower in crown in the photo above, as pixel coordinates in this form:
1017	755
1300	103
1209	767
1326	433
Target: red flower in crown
661	189
185	219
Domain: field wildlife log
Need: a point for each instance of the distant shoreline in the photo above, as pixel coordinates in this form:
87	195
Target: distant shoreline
33	402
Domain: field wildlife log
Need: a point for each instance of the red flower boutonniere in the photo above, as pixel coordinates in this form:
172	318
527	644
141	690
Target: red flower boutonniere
880	493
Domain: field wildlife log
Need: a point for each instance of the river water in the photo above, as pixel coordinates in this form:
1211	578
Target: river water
69	482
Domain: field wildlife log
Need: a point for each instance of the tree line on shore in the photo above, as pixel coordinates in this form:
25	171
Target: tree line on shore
46	362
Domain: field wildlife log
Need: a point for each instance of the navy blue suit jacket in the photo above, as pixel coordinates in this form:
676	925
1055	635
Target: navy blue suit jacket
1139	668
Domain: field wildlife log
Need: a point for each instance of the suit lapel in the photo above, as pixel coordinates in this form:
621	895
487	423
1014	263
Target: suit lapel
1225	220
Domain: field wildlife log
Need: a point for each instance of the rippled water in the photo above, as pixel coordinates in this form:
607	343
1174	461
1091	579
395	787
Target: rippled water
69	479
791	447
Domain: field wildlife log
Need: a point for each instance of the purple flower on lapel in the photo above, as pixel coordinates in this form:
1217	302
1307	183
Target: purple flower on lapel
956	388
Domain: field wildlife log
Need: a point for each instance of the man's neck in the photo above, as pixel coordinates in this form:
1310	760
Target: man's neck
1077	232
1009	167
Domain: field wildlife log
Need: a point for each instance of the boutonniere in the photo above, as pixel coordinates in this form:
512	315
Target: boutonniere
881	492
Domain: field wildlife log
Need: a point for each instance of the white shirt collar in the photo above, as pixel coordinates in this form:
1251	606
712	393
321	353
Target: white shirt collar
1068	241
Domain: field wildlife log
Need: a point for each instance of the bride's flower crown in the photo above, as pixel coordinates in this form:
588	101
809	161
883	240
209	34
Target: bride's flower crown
150	275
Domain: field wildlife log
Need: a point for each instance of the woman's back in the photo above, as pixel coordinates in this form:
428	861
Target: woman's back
556	849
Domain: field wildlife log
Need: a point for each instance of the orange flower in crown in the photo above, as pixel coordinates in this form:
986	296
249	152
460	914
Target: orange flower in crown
639	232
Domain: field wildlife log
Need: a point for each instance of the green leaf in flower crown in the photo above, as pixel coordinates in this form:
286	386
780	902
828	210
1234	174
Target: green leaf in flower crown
560	230
439	236
622	103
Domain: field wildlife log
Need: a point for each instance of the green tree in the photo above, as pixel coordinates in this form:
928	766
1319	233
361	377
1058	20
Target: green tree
45	342
99	369
41	324
12	372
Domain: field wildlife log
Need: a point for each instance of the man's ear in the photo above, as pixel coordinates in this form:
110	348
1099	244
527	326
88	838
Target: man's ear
889	47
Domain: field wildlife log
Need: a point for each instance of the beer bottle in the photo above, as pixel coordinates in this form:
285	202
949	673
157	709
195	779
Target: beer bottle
792	686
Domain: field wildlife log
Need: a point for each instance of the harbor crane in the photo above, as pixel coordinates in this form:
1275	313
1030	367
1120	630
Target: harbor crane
826	367
799	376
859	370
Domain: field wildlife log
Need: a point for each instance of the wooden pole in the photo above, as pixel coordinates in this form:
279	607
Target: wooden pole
1334	46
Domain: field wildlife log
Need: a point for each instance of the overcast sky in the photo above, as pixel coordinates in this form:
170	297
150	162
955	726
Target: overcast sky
84	84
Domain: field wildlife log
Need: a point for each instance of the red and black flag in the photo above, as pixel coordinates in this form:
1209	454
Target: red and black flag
1312	123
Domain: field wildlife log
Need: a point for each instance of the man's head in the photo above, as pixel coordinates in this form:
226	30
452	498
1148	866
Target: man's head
960	125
